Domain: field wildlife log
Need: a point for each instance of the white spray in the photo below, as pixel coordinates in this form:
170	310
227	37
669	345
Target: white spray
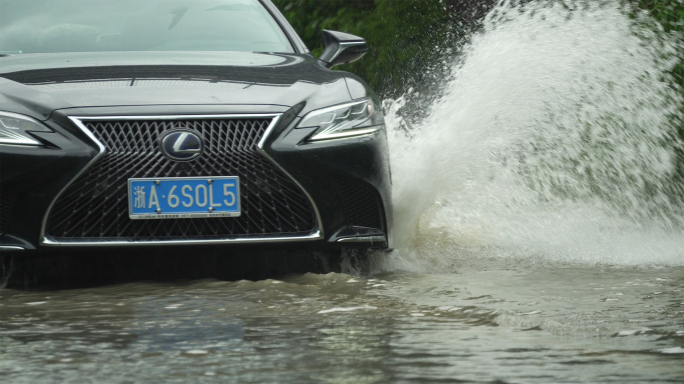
554	139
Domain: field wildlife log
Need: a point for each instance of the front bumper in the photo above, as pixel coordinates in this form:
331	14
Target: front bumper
332	175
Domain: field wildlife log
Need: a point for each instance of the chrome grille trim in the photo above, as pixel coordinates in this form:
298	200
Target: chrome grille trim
317	234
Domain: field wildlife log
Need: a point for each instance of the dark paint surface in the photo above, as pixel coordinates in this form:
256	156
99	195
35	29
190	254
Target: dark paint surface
53	87
56	81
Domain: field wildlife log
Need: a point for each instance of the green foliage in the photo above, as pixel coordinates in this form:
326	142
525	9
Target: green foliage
670	14
409	38
404	36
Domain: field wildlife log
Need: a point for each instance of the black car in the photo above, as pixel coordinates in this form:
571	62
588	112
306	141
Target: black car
173	122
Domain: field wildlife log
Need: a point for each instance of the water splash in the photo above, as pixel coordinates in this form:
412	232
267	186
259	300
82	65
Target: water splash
555	138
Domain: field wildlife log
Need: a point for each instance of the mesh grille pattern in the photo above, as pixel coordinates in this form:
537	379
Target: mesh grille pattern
95	206
361	206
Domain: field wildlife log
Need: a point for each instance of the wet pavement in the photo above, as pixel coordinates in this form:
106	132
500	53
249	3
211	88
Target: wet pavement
501	321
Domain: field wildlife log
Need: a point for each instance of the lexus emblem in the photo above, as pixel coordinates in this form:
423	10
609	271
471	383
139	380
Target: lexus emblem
181	145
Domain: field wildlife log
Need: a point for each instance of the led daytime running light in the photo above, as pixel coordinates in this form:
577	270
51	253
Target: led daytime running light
14	129
341	121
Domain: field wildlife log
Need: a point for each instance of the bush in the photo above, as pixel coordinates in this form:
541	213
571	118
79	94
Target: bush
405	37
670	14
409	39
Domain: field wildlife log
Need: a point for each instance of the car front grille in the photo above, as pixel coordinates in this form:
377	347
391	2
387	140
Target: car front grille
360	204
95	206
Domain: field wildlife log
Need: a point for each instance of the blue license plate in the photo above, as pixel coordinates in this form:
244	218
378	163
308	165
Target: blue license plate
181	198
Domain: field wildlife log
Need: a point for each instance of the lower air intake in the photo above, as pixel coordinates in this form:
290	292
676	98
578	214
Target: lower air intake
361	205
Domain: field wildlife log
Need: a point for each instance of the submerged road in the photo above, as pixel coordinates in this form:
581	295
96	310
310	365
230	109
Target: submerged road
503	321
541	214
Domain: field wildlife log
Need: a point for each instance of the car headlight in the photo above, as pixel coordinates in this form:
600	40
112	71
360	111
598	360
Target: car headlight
340	121
14	129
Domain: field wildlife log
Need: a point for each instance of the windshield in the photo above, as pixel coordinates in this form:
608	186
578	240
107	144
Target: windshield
40	26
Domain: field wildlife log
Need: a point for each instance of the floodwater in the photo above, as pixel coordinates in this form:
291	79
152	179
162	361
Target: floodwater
506	323
538	239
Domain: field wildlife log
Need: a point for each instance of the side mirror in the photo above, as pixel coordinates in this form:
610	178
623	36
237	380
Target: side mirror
342	48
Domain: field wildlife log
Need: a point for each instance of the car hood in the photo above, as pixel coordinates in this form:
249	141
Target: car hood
39	84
